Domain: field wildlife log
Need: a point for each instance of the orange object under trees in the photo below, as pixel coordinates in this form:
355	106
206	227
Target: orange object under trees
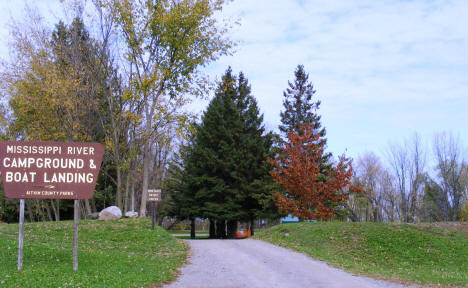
308	193
243	233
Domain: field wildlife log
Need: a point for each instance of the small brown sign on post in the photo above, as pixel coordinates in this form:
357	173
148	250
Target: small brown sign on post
50	170
154	195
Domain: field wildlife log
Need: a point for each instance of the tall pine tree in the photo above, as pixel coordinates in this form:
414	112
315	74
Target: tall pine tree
300	109
298	104
257	147
215	157
228	164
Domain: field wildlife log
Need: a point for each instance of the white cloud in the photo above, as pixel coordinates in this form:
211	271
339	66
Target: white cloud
382	69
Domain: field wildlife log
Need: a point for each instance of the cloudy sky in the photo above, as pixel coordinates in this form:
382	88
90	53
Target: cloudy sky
382	69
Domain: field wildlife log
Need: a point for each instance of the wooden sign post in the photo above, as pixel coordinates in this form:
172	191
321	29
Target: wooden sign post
154	195
50	170
76	218
20	235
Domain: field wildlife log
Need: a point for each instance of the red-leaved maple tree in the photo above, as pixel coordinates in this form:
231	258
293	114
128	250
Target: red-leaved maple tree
308	193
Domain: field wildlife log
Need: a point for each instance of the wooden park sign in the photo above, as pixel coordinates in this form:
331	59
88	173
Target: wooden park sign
49	170
154	195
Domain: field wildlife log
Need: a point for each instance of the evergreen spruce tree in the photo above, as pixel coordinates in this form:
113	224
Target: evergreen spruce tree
299	107
257	148
228	165
212	164
300	110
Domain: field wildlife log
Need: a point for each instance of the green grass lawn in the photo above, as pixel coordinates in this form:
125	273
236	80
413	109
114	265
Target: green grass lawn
425	254
123	253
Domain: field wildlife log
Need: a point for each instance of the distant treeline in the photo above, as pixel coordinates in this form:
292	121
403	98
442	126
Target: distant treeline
414	183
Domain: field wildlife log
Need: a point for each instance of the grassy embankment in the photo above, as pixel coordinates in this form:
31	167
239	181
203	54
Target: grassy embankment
424	254
124	253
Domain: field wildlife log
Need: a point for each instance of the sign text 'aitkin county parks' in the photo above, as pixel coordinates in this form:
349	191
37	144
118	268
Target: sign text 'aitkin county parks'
49	170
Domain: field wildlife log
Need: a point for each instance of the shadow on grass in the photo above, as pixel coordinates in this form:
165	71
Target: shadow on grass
196	237
204	238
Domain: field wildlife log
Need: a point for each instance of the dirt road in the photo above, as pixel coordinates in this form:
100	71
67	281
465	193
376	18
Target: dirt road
257	264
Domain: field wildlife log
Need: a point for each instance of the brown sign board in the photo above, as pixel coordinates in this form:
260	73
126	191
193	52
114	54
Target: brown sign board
154	195
50	170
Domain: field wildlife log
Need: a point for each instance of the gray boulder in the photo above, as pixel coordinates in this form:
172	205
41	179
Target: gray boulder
110	213
131	214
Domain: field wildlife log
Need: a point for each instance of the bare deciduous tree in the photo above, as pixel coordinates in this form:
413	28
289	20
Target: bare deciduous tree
408	164
368	169
379	201
452	170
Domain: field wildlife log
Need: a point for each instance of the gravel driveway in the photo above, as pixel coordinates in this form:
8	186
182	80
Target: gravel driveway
254	264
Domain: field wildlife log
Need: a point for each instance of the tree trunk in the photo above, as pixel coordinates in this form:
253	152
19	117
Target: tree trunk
88	208
127	189
55	210
456	203
376	214
93	205
132	207
221	229
252	225
118	192
146	164
212	229
231	229
57	216
28	207
39	211
83	209
404	211
49	214
192	228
